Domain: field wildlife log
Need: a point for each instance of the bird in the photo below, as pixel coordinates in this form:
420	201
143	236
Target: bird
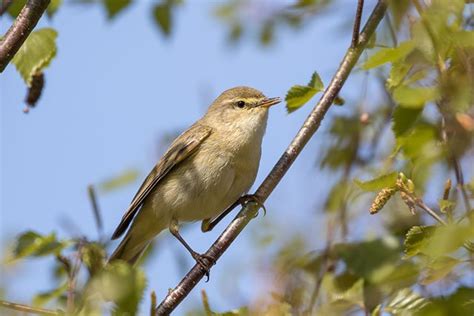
206	171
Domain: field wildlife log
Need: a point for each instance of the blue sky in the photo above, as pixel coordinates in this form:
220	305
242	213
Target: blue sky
114	89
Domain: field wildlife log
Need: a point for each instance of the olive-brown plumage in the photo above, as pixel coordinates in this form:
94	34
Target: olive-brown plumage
207	168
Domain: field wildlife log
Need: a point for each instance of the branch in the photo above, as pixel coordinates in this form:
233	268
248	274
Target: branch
29	309
21	28
310	126
358	17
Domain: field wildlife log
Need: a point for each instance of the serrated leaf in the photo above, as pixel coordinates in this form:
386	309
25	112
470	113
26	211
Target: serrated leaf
93	256
414	97
381	182
316	82
438	269
36	53
36	245
436	242
298	95
114	7
45	297
386	55
417	239
403	119
121	284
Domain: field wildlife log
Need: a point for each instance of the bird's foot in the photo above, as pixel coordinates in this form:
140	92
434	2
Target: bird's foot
205	261
252	198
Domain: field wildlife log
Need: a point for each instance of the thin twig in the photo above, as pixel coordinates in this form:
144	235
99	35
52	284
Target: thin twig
356	29
21	28
4	6
325	267
153	303
391	29
96	210
29	309
310	126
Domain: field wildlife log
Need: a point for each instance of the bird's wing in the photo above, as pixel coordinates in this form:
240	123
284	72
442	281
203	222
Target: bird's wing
180	149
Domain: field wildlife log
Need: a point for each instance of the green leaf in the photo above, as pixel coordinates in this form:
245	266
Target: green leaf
398	73
414	97
446	205
125	178
162	14
463	39
298	95
93	256
436	242
120	283
419	142
438	269
53	7
45	297
36	245
15	7
403	119
405	302
417	239
386	55
114	7
36	53
459	303
381	182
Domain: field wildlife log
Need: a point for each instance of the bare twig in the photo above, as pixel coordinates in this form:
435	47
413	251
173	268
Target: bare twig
4	6
391	29
153	303
310	126
325	267
96	210
356	29
29	309
21	28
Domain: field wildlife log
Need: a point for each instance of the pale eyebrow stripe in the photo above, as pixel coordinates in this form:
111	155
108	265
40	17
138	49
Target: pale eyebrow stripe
250	100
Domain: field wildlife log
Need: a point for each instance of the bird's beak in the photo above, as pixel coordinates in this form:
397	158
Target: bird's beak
268	102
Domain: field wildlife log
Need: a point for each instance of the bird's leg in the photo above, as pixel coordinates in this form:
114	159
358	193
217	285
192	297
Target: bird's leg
208	225
203	260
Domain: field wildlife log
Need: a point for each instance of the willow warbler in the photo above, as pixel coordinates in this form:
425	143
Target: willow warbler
206	169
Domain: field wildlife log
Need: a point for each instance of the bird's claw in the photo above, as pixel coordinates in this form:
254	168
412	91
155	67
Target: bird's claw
205	261
253	198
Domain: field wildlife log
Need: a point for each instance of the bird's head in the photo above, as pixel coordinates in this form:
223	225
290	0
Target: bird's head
243	108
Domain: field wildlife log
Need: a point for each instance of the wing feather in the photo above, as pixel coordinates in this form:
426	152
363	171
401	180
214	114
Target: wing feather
180	149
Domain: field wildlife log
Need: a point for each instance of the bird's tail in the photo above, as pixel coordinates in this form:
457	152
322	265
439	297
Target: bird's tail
130	249
138	237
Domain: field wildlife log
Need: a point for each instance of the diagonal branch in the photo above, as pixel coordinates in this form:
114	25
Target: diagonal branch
21	28
310	126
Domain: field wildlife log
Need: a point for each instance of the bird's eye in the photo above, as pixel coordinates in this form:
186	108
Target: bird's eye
241	104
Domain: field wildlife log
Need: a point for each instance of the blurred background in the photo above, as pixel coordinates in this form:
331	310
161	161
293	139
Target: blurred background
126	80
